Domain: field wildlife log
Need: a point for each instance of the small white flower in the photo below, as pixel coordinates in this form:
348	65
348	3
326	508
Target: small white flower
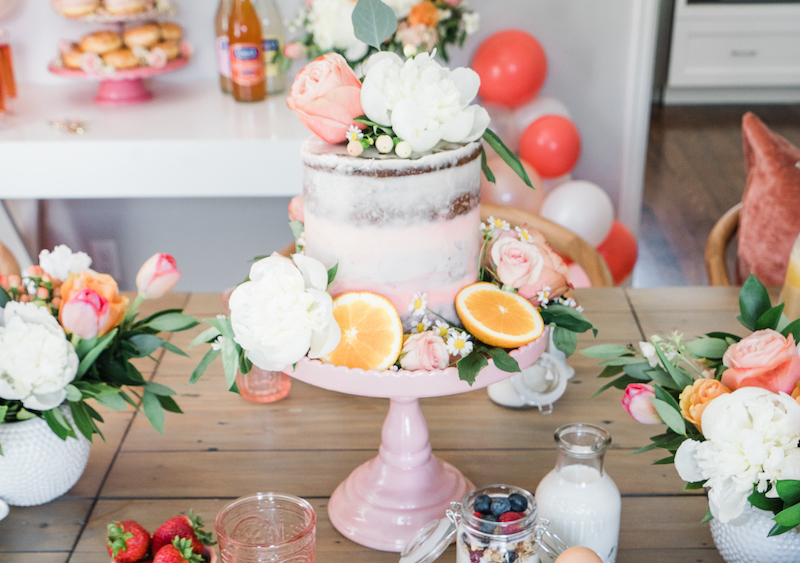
422	325
543	296
384	144
62	262
331	23
471	22
403	149
442	328
487	228
353	134
409	50
499	224
458	343
649	352
444	14
523	234
394	368
419	304
216	345
355	148
579	308
570	302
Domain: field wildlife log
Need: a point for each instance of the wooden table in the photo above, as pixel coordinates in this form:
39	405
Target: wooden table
224	447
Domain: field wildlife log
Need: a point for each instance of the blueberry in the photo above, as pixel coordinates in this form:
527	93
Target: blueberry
500	506
518	502
482	503
488	525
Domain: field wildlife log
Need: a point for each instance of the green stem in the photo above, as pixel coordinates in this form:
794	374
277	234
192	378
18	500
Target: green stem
132	309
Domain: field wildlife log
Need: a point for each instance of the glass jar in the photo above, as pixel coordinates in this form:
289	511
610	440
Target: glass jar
521	540
791	287
578	497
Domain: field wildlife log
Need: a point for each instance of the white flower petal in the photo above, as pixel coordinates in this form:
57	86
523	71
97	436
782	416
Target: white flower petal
44	401
410	125
458	127
467	81
685	463
480	122
374	103
323	342
314	273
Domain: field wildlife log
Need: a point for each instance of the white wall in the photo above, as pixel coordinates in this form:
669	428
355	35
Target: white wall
600	58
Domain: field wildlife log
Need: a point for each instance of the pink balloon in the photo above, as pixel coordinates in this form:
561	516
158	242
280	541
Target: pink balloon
509	189
578	277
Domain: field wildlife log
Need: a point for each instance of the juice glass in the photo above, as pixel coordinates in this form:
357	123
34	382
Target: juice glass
267	528
262	386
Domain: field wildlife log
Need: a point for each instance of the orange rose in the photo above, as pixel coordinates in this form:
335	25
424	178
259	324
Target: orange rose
695	398
764	359
424	13
102	284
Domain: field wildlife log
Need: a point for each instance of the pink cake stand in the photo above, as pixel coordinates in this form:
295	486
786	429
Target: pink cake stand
385	501
123	87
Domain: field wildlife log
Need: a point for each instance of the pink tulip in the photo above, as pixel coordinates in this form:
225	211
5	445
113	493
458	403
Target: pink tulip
157	276
638	404
85	314
296	209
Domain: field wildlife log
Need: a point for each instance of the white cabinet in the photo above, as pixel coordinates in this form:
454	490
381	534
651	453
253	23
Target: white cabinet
734	53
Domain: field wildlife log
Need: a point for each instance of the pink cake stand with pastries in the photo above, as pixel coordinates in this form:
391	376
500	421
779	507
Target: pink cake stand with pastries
385	501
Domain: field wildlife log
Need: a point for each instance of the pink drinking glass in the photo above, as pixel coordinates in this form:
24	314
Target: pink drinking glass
262	386
267	528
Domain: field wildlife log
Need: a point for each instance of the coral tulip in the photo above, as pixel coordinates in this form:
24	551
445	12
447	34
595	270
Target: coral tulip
85	314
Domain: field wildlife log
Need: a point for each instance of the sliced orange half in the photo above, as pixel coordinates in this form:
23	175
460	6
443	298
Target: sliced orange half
372	333
497	317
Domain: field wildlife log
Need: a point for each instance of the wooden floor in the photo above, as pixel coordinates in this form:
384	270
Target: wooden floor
695	172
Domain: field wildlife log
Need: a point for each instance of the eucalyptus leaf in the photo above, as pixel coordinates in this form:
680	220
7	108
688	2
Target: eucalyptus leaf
158	389
173	322
145	344
83	421
619	383
230	359
605	351
373	22
201	368
153	410
73	394
223	325
713	348
610	371
670	416
623	361
208	335
174	349
501	149
58	423
681	379
114	402
169	404
665	460
640	371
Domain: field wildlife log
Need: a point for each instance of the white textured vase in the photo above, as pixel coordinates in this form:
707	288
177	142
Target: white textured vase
748	542
37	466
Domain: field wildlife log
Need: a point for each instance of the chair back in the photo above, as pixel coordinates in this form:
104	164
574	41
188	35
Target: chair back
717	246
8	264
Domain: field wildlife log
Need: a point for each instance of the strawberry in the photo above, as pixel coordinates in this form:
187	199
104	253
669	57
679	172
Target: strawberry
510	516
127	541
189	527
179	551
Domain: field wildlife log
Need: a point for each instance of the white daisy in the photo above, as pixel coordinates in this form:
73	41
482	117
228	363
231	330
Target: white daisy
523	234
499	224
543	296
570	302
487	228
458	343
423	324
353	134
442	328
418	304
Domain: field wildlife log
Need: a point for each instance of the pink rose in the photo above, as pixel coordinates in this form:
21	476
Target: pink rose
764	359
636	401
296	209
425	350
294	50
85	313
326	96
157	276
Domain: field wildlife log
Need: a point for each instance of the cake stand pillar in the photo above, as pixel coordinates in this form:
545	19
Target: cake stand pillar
122	92
385	501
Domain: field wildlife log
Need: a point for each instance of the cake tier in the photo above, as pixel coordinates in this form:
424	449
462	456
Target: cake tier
395	227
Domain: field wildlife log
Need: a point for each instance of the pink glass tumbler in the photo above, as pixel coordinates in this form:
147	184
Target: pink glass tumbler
267	528
262	386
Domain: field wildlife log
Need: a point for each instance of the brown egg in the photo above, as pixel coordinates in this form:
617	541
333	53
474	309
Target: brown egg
578	554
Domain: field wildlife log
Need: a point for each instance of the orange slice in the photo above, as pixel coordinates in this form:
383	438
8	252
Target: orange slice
497	317
372	333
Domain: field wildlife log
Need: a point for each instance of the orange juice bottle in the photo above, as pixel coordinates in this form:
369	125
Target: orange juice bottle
223	45
7	84
247	53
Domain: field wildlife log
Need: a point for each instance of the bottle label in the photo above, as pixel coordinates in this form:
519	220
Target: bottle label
223	56
272	51
247	64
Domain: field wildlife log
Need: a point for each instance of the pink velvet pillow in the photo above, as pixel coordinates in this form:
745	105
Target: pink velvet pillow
770	219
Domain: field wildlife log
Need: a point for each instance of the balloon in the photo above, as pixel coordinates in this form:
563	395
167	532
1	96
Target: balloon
620	251
504	123
539	107
512	66
7	7
578	277
509	189
552	145
551	183
582	207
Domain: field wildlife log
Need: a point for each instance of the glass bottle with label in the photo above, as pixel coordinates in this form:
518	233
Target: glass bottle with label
223	45
8	86
273	34
247	55
578	497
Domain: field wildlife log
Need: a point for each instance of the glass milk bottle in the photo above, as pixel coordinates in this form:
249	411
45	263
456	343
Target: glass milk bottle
791	287
273	32
578	497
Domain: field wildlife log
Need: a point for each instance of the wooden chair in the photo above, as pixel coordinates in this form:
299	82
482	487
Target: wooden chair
717	246
8	264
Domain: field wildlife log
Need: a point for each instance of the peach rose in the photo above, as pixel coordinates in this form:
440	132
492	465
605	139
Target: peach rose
695	398
426	350
424	13
326	96
102	284
764	359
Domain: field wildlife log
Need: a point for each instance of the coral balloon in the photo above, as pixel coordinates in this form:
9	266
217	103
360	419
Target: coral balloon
620	251
539	107
512	65
552	145
509	189
582	207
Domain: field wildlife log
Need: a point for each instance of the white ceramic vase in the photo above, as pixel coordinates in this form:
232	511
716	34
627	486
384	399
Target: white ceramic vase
37	466
748	542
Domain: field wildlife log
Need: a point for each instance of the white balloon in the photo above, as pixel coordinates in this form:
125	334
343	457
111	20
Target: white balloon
504	123
537	108
582	207
7	7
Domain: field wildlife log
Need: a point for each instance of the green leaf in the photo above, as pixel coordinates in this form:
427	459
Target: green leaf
619	383
565	340
230	359
158	389
173	322
373	22
624	361
332	274
114	402
792	328
665	461
759	500
708	517
73	394
770	318
58	423
693	486
153	410
485	167
223	325
208	335
201	368
670	416
94	353
679	377
605	351
174	349
640	371
503	152
4	298
169	404
470	366
610	371
789	517
713	348
502	360
83	419
297	229
666	397
565	317
753	302
662	378
788	490
646	448
778	529
145	344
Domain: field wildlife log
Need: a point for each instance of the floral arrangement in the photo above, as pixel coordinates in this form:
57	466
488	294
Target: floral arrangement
414	26
68	336
730	405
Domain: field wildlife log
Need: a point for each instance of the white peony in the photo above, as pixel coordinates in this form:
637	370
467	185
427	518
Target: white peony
751	438
284	312
422	101
332	25
62	262
36	360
